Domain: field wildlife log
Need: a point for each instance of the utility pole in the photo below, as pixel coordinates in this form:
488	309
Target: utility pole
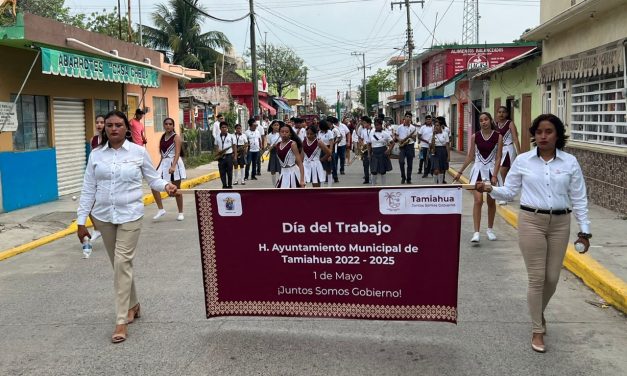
410	49
141	41
266	64
130	31
119	21
253	53
363	83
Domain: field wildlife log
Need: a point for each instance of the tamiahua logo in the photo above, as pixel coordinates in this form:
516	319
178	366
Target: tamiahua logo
393	200
229	203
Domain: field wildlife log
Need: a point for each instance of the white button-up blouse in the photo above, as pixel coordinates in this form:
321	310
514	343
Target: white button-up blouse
112	186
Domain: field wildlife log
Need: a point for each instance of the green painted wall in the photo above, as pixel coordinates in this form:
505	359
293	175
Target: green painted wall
515	82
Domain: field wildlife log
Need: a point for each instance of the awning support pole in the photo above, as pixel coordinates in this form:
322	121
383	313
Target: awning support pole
21	88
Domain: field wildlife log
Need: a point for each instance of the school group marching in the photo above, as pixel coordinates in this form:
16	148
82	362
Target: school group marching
549	180
315	152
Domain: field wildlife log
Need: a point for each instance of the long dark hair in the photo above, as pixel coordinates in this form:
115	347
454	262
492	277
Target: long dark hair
560	129
293	136
105	139
509	115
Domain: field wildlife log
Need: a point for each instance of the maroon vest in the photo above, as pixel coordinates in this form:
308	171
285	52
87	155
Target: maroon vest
485	147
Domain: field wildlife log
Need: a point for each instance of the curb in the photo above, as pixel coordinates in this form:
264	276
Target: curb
71	229
608	286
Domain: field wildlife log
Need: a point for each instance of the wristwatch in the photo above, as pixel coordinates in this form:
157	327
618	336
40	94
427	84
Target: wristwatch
584	235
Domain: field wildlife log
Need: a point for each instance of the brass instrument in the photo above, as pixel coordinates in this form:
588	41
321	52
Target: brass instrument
220	154
268	148
432	145
407	139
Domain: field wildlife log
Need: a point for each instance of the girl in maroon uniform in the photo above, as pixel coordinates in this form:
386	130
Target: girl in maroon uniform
95	141
288	152
511	145
171	167
312	149
486	146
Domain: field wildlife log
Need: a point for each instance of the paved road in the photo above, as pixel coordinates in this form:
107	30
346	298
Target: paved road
57	316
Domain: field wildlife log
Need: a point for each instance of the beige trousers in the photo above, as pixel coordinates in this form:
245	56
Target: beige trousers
543	239
120	242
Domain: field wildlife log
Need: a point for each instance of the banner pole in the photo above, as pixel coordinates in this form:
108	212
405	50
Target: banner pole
469	187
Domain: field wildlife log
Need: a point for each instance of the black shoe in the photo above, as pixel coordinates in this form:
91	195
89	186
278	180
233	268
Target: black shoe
419	172
403	181
444	181
366	182
342	173
253	178
336	180
425	176
408	181
224	187
229	187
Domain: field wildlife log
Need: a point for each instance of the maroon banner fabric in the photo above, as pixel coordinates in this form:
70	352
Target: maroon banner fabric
363	253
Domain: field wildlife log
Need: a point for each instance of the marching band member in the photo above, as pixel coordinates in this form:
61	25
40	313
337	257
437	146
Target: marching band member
226	152
505	126
380	146
486	145
288	152
364	146
425	134
272	140
327	137
312	149
241	143
406	137
440	151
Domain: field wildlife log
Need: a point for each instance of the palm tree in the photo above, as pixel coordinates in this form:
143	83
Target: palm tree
177	32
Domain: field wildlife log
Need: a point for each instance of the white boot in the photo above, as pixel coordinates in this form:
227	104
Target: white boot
329	180
383	180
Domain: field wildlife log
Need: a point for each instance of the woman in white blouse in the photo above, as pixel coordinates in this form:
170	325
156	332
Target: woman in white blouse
112	192
552	185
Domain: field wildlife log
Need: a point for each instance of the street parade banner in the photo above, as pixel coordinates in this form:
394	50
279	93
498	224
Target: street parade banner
360	253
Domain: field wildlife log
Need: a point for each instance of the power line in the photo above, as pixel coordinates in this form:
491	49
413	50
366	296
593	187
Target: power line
214	17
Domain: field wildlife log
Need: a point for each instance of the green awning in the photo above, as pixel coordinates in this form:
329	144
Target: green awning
69	64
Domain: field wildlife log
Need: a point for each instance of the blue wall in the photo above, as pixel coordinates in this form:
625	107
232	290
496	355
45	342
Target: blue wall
28	178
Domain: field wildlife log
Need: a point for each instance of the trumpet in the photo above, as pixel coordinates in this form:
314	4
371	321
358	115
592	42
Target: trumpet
220	154
407	139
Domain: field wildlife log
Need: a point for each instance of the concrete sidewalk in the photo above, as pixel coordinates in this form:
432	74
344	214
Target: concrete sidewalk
604	267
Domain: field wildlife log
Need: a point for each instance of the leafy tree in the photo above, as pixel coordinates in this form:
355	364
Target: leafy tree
382	80
284	69
178	32
107	23
321	105
53	9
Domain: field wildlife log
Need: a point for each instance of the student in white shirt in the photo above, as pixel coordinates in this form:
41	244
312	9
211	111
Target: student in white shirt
552	184
272	141
364	140
380	147
327	136
263	131
215	128
337	140
112	192
255	145
341	146
406	133
299	125
425	133
241	142
439	151
226	146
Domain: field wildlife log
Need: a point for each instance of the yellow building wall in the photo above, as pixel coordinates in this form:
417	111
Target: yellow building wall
168	89
605	28
13	69
551	8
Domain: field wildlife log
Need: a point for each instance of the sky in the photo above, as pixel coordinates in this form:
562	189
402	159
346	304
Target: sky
325	33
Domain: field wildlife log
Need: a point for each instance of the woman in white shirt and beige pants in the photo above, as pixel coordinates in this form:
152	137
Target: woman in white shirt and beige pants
552	183
112	192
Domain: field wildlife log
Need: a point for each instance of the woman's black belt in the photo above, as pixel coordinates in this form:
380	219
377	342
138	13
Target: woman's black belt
545	211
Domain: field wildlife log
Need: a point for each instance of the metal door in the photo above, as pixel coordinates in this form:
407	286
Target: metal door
69	141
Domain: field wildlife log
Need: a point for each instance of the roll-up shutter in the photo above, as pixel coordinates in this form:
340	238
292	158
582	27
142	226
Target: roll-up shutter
69	135
466	116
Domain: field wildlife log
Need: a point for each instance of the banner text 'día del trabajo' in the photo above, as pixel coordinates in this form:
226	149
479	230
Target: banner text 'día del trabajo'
346	253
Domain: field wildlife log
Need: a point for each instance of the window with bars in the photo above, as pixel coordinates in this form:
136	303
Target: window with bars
561	101
104	106
33	123
598	113
547	99
160	112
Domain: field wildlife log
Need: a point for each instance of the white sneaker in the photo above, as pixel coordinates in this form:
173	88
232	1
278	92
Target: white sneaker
491	234
95	235
180	217
159	214
475	237
502	202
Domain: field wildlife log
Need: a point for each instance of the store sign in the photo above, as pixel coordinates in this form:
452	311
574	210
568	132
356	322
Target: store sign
603	60
68	64
8	117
